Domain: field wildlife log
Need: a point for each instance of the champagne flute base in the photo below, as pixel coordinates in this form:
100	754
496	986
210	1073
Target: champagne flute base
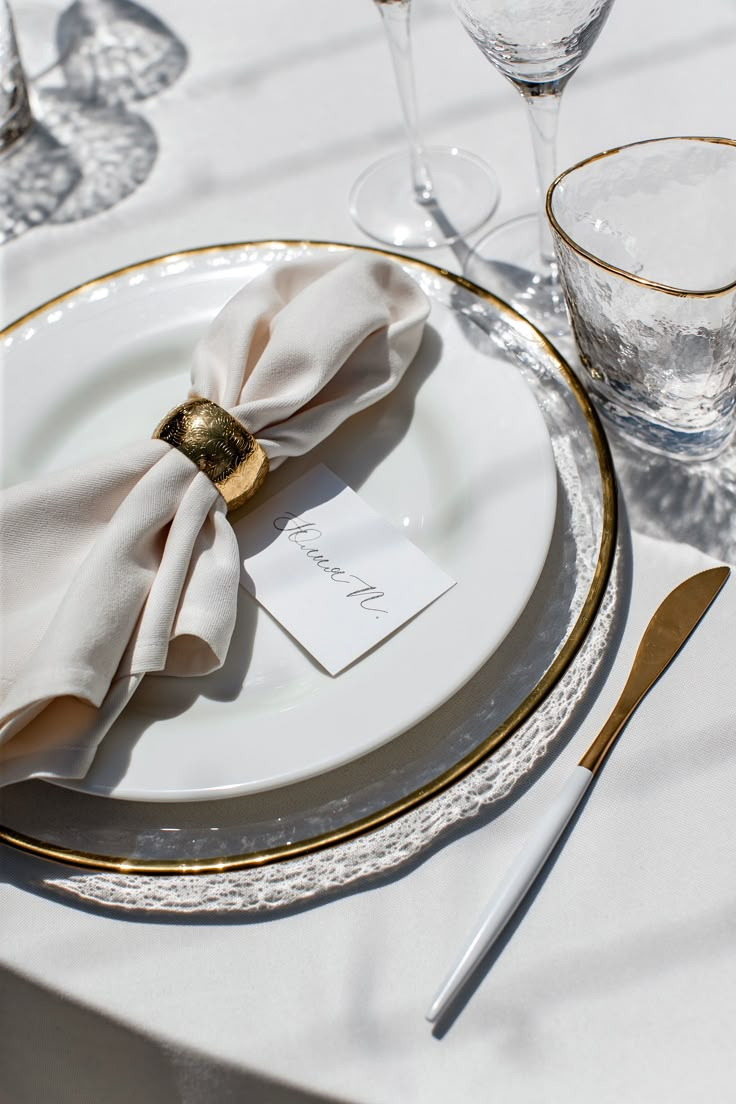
384	205
508	263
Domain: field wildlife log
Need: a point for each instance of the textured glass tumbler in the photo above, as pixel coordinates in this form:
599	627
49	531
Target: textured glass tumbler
645	238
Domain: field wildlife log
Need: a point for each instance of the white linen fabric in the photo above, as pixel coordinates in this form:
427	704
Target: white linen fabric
129	565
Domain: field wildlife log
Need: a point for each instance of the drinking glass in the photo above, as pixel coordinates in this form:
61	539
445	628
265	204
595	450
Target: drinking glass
537	45
87	66
646	241
36	172
423	197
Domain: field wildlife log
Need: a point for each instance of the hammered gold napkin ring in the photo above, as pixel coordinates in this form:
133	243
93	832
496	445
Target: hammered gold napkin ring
219	446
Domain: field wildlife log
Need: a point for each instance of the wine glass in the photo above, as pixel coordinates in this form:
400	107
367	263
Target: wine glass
537	45
36	172
87	66
423	197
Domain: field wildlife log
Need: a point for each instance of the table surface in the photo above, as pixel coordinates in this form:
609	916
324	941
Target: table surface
618	981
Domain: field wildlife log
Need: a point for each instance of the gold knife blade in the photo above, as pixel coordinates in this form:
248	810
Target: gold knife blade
665	634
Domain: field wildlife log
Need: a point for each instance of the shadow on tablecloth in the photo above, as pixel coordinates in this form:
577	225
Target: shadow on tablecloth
55	1049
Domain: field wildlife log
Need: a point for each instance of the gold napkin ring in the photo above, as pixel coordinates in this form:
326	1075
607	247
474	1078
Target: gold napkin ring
219	446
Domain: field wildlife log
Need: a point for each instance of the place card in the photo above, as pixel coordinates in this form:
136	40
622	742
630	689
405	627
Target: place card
335	574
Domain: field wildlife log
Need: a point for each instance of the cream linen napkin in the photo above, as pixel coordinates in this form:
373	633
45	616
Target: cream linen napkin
130	565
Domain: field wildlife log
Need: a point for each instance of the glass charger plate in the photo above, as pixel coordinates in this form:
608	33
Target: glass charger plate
488	725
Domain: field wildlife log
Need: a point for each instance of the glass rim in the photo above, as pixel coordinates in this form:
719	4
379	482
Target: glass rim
667	289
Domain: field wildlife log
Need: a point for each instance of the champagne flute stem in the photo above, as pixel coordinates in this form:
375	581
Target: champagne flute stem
543	110
396	21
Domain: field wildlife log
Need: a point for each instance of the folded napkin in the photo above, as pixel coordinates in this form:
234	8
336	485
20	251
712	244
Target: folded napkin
130	565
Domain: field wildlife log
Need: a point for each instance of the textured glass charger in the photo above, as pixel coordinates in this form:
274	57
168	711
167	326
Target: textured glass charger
478	744
646	241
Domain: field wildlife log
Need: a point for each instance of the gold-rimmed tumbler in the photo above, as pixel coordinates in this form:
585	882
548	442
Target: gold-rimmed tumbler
645	237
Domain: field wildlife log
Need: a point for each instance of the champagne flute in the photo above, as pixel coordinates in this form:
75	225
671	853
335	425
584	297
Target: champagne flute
537	45
426	196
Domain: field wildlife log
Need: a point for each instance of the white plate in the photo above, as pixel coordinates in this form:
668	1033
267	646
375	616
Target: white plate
458	457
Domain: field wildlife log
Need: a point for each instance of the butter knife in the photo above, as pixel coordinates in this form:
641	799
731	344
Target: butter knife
665	634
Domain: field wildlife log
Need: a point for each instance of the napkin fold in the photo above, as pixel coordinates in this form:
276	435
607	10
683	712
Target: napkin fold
129	565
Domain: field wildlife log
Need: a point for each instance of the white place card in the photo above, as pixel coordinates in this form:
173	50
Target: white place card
334	573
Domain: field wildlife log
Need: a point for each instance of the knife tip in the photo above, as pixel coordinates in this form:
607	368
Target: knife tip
720	574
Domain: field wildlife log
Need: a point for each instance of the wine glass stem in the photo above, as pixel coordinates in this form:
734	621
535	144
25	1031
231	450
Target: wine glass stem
396	22
15	109
543	109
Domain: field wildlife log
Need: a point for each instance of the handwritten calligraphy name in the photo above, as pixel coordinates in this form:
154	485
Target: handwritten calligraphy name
303	534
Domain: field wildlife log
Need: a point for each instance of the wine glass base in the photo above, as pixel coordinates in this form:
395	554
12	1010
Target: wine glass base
384	205
507	263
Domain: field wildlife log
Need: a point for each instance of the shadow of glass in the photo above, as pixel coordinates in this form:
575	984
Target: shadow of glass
95	150
38	174
114	150
692	503
117	52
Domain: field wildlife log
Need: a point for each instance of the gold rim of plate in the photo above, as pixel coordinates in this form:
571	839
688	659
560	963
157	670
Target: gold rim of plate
668	289
120	865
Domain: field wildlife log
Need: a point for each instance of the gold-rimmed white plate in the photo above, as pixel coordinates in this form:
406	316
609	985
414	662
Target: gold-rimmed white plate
458	458
489	334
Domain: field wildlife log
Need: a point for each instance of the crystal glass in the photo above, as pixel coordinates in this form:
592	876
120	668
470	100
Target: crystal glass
645	236
36	172
88	149
537	45
422	197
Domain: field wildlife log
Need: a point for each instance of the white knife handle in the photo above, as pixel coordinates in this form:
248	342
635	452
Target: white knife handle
514	887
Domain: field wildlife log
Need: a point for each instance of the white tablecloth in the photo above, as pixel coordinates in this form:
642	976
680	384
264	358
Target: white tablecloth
618	981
